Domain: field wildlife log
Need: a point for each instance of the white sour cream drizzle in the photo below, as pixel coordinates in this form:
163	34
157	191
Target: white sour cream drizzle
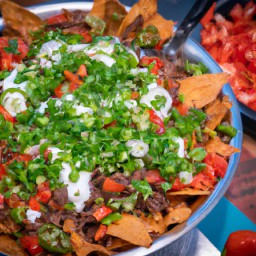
78	192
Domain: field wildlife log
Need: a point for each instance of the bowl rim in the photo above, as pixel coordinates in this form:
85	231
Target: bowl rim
191	46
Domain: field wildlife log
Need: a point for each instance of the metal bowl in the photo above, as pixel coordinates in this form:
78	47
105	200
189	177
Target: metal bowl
195	53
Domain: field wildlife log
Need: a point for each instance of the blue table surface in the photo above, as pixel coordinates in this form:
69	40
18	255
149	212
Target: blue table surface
225	217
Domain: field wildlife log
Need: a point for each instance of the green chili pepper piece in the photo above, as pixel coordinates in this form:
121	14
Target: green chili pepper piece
54	239
148	37
227	129
18	214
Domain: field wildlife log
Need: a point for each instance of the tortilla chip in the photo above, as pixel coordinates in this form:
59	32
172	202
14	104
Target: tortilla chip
165	27
215	145
177	215
117	243
112	12
83	248
68	226
190	192
198	202
10	247
8	226
199	91
144	8
19	22
130	228
216	111
152	225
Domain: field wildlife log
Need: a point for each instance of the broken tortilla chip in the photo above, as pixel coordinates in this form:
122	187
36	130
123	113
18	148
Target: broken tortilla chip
199	91
117	243
152	225
165	27
19	22
130	228
215	145
177	215
112	12
83	248
190	192
144	8
216	111
10	247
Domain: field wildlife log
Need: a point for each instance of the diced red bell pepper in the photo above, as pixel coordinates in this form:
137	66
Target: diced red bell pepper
6	114
34	204
101	213
110	185
31	244
153	176
155	119
101	232
44	192
241	242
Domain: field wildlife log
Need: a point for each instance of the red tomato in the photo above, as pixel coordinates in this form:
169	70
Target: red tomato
219	164
1	201
183	109
113	186
6	114
177	185
2	171
146	61
60	18
82	71
101	213
31	244
242	242
135	95
101	232
153	176
33	204
87	36
44	192
155	119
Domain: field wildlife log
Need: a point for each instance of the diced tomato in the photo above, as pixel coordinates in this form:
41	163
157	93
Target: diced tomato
219	164
1	201
6	114
155	119
177	185
24	158
46	154
146	61
112	186
31	244
101	213
160	44
101	232
135	95
60	18
87	36
183	109
44	192
2	171
34	204
6	60
209	15
153	176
